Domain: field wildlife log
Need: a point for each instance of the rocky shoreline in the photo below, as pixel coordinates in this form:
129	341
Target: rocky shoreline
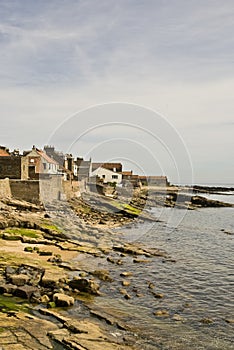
40	270
38	265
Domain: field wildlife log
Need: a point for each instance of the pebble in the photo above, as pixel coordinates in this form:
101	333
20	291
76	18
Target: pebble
126	283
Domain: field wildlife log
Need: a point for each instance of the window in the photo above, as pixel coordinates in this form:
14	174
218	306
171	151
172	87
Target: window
44	165
103	176
114	176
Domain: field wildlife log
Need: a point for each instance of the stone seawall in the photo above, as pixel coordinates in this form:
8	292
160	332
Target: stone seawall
26	190
5	190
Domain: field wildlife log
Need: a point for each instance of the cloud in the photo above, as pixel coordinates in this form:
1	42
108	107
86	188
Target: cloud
59	57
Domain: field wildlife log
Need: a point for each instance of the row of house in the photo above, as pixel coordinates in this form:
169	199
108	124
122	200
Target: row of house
37	164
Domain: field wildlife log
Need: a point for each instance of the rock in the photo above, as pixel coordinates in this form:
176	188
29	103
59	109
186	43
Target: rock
83	274
45	253
7	288
229	320
158	295
126	283
206	320
177	318
85	285
49	281
123	291
140	261
63	299
161	313
28	249
151	285
19	280
139	295
10	271
44	299
126	274
127	296
25	292
103	275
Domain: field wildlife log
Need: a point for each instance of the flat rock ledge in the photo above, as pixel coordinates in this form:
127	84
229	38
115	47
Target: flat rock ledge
22	331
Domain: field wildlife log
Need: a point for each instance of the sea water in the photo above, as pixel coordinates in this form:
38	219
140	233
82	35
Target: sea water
196	281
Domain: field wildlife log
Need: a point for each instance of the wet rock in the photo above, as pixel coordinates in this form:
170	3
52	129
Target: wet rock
123	291
126	283
126	274
140	261
161	313
127	296
177	318
158	295
25	292
63	299
103	275
85	285
229	320
151	285
206	320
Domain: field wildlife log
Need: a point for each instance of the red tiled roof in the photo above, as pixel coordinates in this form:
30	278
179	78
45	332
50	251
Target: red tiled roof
4	152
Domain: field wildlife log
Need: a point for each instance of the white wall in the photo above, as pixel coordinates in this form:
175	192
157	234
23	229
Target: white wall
107	175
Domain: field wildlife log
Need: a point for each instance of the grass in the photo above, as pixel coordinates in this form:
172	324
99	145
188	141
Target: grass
23	232
12	304
49	226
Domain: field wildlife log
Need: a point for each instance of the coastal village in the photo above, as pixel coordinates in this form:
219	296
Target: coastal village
62	253
20	174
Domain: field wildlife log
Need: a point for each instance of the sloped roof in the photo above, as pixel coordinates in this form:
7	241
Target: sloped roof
4	153
107	166
46	157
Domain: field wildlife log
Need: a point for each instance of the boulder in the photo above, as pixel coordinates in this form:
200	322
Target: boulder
85	285
19	280
63	299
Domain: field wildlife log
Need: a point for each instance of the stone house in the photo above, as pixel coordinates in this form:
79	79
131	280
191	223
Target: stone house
40	164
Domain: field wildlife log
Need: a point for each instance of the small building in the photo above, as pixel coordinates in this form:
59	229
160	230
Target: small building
108	176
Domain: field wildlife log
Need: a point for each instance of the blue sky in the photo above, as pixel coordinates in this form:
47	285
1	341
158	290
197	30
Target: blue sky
175	57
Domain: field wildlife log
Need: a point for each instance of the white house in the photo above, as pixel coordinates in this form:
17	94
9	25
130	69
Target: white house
108	175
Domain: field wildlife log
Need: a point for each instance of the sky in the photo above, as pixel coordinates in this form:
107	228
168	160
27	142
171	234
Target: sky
148	82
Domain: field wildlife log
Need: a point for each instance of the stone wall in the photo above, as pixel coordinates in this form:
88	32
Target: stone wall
10	167
5	190
26	190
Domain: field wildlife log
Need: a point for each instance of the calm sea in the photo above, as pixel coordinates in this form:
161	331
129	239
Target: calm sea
197	280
